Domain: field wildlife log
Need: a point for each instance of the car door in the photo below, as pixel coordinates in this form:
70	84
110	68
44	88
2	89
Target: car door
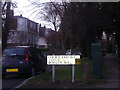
35	58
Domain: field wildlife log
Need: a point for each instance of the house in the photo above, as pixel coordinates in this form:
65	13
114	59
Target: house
42	42
48	38
23	32
27	32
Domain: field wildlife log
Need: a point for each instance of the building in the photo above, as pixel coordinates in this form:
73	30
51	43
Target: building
42	42
27	32
48	38
23	32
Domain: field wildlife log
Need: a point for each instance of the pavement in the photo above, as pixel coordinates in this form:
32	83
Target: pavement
111	74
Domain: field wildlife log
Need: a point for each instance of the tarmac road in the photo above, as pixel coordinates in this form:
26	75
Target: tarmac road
11	81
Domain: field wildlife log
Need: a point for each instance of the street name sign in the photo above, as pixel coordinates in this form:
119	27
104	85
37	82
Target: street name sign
63	59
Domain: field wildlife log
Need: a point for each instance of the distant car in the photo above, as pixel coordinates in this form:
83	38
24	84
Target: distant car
69	52
23	60
77	53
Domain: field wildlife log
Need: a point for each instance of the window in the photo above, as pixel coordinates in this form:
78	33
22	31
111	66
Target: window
14	51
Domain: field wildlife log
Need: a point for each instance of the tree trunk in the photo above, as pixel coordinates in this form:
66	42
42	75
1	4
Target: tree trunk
5	31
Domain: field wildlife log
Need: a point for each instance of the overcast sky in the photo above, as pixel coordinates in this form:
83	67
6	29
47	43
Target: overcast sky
24	7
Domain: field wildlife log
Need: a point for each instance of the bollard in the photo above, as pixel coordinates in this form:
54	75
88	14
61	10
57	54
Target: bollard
53	73
97	60
86	69
73	73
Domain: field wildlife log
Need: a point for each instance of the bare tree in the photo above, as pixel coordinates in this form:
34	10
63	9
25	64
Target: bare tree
6	26
7	14
51	15
51	12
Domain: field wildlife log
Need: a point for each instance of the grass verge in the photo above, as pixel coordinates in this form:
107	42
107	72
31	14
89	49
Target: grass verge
63	77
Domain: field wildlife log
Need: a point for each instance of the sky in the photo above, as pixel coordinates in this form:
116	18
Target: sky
25	8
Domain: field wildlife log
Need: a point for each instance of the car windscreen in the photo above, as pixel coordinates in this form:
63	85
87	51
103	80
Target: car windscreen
14	51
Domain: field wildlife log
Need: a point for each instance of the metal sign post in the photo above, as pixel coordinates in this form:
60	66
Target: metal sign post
63	60
53	73
73	73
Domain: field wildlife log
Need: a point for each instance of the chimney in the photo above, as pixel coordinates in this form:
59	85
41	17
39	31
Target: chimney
21	15
40	25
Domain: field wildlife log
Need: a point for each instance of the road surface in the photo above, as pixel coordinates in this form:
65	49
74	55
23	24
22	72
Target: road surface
11	81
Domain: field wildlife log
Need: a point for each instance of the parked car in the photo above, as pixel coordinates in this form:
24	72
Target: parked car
23	60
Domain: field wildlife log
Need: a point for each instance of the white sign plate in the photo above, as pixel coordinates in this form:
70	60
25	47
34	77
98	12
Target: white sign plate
62	59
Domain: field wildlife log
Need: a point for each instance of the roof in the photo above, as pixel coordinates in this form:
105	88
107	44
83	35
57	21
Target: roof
25	18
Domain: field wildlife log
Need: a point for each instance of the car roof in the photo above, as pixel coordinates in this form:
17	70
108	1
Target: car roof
17	47
20	47
23	46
